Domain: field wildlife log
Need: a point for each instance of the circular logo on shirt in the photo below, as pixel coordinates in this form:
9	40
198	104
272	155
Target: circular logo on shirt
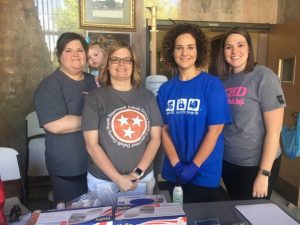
128	125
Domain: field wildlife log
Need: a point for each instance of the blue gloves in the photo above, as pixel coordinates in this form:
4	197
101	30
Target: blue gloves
178	168
188	172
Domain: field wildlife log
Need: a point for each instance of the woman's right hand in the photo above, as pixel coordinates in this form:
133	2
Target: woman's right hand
126	182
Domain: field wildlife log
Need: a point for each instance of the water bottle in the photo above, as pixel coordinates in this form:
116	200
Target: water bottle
178	194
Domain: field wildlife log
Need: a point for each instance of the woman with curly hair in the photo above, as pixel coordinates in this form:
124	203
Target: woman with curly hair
194	109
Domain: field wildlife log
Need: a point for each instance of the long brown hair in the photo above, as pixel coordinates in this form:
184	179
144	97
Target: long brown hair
223	67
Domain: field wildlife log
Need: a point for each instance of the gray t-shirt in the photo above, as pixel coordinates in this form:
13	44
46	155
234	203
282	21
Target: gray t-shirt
249	95
57	96
124	120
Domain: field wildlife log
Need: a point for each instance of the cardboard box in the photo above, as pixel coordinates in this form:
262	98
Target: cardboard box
141	200
166	213
87	216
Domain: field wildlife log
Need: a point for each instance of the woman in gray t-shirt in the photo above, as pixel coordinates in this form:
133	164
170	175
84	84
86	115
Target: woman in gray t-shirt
252	151
121	123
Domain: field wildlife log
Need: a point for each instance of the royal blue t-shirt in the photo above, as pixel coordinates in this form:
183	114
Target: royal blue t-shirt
188	108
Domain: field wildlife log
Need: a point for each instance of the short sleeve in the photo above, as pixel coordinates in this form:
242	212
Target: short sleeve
49	102
155	116
218	109
161	104
90	114
270	92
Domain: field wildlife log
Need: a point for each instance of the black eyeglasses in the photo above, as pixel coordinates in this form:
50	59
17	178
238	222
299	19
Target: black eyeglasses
117	60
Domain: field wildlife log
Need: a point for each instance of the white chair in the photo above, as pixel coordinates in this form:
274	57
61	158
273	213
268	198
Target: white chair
153	82
35	159
11	177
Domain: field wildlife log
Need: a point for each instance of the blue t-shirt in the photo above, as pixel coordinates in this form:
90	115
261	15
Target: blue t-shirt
188	108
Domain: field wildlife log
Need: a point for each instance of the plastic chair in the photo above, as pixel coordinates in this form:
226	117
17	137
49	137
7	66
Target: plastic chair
11	177
35	157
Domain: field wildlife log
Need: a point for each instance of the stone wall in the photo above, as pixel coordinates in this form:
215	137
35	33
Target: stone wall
24	61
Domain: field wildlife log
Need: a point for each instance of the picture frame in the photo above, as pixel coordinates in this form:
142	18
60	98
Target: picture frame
107	37
287	69
107	14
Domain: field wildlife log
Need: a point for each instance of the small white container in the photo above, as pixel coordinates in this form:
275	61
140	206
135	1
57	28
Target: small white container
178	194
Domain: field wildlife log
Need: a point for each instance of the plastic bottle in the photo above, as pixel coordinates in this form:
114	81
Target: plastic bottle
178	194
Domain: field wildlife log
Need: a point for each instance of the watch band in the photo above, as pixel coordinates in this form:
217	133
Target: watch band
266	172
138	172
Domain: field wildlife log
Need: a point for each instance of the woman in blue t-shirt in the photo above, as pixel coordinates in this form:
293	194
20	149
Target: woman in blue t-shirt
194	110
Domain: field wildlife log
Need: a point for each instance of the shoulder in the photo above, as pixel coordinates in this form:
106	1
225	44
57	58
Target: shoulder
50	81
145	92
211	80
264	73
88	76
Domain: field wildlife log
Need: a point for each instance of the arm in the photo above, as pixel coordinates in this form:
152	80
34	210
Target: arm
208	143
66	124
151	150
273	123
206	147
169	146
103	162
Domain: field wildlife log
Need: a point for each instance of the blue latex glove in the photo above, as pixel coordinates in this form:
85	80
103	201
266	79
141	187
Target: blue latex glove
178	168
188	172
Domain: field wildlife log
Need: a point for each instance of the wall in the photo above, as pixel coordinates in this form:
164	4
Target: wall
24	61
284	41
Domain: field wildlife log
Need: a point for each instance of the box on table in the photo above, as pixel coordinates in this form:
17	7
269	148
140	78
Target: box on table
165	213
141	200
95	216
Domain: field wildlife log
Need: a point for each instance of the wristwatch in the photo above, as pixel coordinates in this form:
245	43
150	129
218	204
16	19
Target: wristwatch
138	172
266	172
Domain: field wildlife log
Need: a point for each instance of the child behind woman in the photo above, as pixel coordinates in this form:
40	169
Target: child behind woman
96	58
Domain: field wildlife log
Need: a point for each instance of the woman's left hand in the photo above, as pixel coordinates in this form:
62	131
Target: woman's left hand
260	186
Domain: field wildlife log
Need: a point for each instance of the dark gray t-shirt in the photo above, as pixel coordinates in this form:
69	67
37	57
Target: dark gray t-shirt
249	95
57	96
124	120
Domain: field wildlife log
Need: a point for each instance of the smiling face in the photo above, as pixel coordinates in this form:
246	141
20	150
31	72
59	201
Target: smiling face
236	52
122	69
73	58
185	51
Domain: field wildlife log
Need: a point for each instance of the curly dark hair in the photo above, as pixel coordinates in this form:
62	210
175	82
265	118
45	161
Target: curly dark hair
202	44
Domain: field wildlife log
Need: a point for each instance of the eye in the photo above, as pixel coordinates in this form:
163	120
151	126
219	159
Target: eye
191	48
228	47
178	48
241	45
127	60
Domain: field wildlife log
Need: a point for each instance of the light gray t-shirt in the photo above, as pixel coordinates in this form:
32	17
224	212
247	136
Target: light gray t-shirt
124	120
249	95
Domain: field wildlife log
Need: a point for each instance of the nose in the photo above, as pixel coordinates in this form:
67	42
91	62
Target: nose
75	53
184	51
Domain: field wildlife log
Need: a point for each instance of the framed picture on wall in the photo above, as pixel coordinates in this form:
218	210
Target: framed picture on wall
107	14
106	38
287	69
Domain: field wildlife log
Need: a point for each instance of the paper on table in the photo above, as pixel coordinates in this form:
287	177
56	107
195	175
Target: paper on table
265	214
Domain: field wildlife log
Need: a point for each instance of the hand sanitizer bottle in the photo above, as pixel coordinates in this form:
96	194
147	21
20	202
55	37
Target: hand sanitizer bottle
178	194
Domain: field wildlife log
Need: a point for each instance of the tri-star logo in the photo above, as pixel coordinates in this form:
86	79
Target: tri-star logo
128	125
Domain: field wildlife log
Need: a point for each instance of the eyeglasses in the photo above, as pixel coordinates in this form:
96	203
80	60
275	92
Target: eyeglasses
117	60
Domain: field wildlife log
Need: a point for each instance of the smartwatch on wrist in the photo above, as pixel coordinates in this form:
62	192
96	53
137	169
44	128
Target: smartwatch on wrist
266	173
138	172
